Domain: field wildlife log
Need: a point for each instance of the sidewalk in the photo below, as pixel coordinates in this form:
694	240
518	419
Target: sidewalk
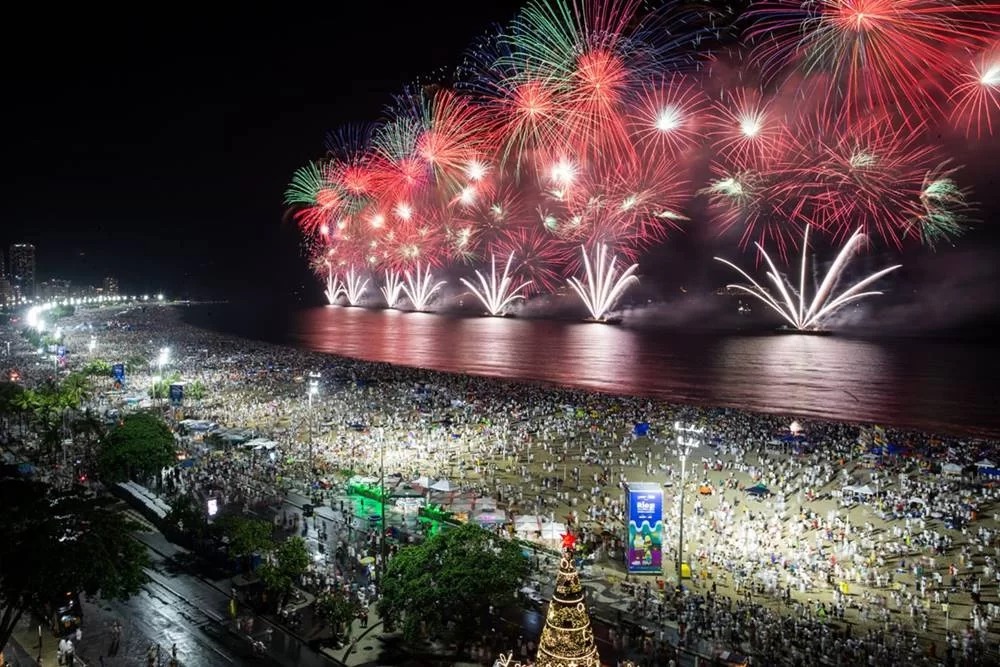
23	646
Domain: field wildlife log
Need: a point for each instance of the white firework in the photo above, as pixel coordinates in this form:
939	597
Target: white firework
392	289
604	285
824	303
333	286
421	289
353	287
496	295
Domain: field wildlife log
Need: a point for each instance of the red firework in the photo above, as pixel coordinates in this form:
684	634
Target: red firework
452	135
883	54
523	116
596	109
976	98
747	132
869	176
536	256
752	202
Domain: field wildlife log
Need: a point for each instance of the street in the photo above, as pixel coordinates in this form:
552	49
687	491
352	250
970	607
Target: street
175	608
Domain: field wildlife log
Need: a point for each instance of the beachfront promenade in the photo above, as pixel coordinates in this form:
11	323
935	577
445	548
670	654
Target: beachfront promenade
868	542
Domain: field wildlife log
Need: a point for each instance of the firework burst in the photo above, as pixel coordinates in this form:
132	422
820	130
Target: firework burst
603	285
792	304
497	294
594	122
420	288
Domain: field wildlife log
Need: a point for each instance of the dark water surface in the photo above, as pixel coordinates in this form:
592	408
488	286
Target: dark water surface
928	384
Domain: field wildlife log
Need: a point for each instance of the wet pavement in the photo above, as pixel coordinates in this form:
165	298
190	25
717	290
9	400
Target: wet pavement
176	608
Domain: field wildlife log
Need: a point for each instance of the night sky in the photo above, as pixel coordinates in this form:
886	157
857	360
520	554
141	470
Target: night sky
157	148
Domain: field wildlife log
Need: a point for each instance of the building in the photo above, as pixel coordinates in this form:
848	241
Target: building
110	286
55	289
22	270
6	293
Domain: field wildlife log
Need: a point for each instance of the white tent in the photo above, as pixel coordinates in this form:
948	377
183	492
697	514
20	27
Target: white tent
423	482
530	523
864	490
441	485
553	531
460	505
485	503
532	519
986	463
951	469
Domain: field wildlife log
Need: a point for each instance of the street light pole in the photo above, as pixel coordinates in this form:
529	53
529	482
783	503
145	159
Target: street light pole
381	465
684	447
312	390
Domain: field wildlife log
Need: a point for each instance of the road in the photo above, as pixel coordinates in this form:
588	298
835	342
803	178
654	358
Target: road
178	608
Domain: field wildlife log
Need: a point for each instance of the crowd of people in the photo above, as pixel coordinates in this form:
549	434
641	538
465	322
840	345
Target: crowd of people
865	541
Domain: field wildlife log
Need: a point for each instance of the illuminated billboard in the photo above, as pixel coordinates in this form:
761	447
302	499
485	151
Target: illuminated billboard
645	527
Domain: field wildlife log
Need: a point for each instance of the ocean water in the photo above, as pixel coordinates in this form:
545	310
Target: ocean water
937	385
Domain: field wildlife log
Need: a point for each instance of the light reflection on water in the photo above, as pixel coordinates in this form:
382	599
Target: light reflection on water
934	385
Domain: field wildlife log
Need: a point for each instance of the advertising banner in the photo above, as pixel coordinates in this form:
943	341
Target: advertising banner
645	528
176	394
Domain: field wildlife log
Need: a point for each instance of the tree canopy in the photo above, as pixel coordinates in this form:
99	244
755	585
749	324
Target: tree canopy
57	541
140	447
247	536
446	585
288	561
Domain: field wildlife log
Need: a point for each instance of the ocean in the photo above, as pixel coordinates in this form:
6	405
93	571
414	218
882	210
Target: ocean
934	385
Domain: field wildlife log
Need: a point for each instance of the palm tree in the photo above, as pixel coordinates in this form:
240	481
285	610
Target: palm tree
26	403
76	389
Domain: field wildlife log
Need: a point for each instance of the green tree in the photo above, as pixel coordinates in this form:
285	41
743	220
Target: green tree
195	391
140	447
26	402
187	516
97	368
62	540
337	611
10	395
247	536
286	564
161	389
136	363
445	586
75	390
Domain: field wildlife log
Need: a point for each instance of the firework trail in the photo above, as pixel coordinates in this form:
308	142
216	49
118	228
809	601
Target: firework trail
353	287
603	285
792	304
496	295
420	287
392	289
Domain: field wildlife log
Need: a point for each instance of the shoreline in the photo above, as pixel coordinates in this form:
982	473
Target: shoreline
905	431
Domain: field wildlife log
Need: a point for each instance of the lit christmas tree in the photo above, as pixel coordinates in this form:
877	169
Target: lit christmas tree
567	639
